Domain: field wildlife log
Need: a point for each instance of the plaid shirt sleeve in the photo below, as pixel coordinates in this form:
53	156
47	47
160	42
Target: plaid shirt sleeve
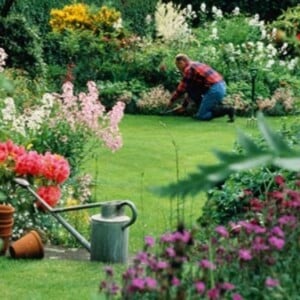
182	86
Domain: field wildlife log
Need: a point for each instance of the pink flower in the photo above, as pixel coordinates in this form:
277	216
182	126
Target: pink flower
200	287
175	281
170	252
245	254
206	264
279	180
55	168
270	282
237	297
276	242
50	194
213	294
149	241
150	283
30	163
222	231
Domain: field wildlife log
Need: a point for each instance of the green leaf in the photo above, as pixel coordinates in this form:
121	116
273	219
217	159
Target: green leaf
248	144
274	140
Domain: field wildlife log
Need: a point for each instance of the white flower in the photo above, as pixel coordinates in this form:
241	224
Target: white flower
270	63
236	11
118	24
214	34
148	19
203	7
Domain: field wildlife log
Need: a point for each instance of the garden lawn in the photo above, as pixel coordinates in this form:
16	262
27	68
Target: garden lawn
147	159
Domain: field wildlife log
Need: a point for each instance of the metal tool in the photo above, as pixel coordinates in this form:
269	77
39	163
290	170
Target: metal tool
252	120
109	241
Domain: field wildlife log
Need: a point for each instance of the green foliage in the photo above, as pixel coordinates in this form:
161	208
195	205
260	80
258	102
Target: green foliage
278	154
22	44
126	91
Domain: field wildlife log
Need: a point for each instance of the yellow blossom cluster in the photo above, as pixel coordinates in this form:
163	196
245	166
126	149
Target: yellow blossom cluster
80	16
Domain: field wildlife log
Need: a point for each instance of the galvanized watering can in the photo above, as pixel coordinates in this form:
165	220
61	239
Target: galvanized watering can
110	228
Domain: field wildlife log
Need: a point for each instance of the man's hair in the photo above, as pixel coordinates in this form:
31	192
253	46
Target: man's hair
181	56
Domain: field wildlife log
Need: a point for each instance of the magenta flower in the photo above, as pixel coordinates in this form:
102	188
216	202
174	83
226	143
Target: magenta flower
213	294
276	242
206	264
222	231
175	281
200	287
289	220
245	254
170	252
270	282
149	241
278	231
161	265
237	297
137	284
279	180
227	286
150	283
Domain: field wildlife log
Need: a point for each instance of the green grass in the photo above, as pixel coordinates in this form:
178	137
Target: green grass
147	159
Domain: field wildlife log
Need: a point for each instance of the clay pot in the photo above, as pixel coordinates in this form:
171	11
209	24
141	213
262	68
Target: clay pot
28	246
6	212
6	226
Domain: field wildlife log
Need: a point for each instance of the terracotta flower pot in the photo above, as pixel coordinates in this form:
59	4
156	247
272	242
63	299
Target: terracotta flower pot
6	229
6	226
28	246
6	212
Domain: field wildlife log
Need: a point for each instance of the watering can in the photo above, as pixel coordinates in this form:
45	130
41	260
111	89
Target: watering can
110	228
109	241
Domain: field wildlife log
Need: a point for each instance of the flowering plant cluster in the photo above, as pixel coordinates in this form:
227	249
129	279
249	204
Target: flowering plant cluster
46	171
246	259
80	16
172	22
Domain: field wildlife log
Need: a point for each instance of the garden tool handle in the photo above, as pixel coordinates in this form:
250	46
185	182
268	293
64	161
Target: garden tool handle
133	211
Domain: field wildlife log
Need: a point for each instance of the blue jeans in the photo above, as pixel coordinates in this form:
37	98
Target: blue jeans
212	97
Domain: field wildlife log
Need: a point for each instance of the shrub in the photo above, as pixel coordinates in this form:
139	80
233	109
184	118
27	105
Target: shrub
23	45
154	101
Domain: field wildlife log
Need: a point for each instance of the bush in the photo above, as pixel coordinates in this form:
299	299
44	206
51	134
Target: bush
23	45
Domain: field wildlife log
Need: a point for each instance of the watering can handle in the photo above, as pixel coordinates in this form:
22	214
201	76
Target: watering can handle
133	210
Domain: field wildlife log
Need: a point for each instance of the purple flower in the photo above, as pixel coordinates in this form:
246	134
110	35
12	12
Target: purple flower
170	252
175	281
276	242
200	287
184	236
213	294
149	241
245	254
150	283
129	273
142	257
206	264
227	286
137	284
287	220
259	244
278	231
270	282
166	238
222	231
237	297
160	265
